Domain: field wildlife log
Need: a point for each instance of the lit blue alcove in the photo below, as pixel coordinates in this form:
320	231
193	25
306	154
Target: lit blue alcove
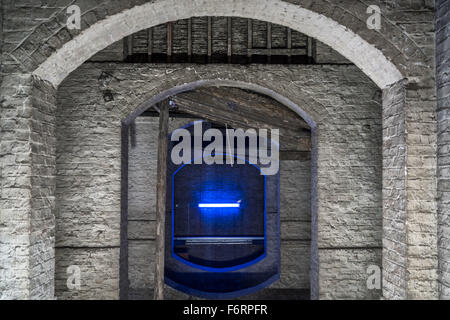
222	228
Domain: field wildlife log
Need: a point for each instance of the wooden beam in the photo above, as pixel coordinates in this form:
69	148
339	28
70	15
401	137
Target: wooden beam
289	44
246	112
133	134
279	51
150	41
269	41
289	38
229	37
169	40
249	37
172	114
288	155
161	200
189	40
311	44
128	46
248	104
198	110
124	282
209	37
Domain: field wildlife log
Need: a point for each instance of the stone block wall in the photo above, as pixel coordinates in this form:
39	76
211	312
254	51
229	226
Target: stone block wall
443	117
326	54
15	189
395	262
27	155
88	189
42	224
295	224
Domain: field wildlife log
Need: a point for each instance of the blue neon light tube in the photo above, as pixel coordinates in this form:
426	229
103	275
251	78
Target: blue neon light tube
219	205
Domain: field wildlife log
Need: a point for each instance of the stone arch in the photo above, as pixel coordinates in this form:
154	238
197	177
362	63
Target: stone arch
105	32
407	273
133	112
383	69
174	79
305	115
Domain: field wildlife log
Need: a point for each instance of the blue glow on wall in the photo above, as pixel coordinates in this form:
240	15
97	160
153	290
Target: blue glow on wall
219	205
222	241
225	202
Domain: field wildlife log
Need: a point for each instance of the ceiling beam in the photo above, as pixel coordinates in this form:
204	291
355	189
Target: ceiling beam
247	111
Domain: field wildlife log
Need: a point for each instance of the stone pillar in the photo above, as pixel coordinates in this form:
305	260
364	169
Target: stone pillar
443	116
421	188
410	259
394	192
27	158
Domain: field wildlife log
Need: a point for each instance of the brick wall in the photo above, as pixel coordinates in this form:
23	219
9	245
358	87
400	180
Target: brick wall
443	115
27	188
395	249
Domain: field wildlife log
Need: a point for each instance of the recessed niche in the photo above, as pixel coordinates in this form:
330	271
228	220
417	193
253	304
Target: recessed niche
222	226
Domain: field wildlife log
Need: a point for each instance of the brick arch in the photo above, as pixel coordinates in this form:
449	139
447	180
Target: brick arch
276	83
309	114
52	54
308	109
366	56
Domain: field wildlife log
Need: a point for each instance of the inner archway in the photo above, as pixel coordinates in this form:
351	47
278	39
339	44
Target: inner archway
189	102
292	89
97	37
